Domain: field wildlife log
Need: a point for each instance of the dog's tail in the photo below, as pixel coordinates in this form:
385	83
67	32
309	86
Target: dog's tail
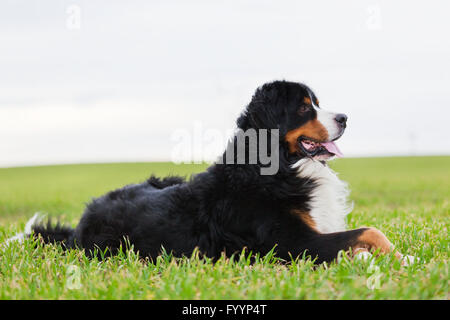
49	233
55	234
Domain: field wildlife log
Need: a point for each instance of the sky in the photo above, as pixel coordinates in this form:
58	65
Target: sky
109	81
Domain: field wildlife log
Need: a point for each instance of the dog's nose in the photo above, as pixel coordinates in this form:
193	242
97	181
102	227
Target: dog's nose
341	119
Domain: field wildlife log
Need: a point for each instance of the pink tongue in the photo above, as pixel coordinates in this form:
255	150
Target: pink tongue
332	148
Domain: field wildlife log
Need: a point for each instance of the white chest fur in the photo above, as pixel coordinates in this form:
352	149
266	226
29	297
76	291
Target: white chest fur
329	206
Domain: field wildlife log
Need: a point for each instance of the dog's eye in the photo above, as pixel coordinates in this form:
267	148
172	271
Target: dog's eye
303	109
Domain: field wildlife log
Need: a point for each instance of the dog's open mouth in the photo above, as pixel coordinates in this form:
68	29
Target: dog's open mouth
319	150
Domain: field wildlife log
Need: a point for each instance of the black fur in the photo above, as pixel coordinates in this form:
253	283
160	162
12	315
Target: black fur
55	233
224	209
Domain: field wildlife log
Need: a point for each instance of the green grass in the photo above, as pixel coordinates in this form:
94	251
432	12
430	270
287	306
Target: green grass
406	198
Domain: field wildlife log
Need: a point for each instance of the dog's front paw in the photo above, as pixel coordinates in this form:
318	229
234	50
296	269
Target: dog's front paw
408	260
363	255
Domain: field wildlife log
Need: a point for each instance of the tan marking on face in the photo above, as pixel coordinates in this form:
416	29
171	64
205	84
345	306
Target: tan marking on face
305	217
313	129
307	100
373	239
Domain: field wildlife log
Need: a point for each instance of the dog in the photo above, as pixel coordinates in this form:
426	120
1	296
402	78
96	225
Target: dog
298	211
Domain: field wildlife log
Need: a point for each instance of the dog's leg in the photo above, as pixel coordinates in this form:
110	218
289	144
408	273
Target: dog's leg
361	241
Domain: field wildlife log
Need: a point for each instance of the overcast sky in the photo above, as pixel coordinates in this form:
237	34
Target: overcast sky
96	81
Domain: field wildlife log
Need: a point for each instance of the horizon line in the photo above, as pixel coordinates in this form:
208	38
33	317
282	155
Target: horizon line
124	161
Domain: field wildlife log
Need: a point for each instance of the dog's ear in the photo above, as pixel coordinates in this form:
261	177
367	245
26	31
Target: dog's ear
271	91
267	109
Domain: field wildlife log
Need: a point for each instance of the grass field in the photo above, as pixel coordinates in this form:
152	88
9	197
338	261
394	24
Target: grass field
406	198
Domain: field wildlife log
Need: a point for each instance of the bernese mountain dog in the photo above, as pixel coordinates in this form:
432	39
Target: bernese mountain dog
300	210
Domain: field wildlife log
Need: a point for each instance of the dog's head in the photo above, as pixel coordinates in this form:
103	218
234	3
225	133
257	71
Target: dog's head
306	129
